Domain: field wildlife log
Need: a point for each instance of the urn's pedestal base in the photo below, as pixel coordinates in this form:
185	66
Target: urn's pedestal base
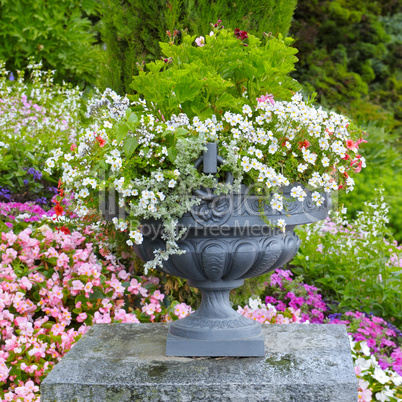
127	362
251	347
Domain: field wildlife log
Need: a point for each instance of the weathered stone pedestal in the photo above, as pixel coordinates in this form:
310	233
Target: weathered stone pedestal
127	362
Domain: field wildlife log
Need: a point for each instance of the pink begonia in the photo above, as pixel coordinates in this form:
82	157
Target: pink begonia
182	310
81	317
77	285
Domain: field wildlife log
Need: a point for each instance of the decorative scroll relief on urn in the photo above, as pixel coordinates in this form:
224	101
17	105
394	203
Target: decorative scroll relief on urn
227	241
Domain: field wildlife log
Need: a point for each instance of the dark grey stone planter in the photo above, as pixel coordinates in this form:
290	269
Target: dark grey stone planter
226	241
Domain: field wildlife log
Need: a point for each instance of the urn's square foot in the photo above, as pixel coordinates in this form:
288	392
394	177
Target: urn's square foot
185	347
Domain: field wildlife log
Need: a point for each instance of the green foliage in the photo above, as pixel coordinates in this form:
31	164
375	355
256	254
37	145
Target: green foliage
132	29
350	55
355	263
58	32
224	74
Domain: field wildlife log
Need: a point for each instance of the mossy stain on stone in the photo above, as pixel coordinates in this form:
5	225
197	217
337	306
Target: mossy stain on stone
157	371
283	363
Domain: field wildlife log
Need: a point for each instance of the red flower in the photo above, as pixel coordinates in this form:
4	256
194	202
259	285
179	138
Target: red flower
284	141
101	141
58	209
65	230
73	147
240	34
304	144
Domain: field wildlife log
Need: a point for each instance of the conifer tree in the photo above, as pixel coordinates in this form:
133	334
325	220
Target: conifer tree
132	29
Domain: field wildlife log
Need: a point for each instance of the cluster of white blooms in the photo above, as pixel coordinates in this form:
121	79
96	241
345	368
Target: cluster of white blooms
270	144
116	108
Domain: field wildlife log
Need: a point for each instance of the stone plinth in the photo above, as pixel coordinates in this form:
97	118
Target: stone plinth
127	362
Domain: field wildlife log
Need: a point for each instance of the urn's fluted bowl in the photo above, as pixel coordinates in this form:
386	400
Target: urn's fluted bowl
228	240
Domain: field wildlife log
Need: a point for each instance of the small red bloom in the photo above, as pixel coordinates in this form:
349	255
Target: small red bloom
350	144
284	141
101	141
58	209
304	144
240	34
65	230
346	157
73	147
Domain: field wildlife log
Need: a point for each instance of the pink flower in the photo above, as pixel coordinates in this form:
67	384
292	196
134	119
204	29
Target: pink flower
267	97
82	317
182	310
350	144
77	285
200	41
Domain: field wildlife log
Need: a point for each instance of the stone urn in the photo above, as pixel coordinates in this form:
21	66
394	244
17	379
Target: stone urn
227	240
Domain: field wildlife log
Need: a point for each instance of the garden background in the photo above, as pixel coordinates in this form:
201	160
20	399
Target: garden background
58	277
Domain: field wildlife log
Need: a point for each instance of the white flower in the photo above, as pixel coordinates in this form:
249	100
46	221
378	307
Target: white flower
129	242
364	348
384	394
396	379
247	110
325	161
159	177
301	168
281	224
272	148
138	237
83	193
172	183
363	363
380	376
254	304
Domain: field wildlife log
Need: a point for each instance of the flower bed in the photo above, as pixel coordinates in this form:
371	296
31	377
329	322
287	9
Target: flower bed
53	286
55	283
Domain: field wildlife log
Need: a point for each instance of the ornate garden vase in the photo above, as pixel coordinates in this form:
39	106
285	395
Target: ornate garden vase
227	240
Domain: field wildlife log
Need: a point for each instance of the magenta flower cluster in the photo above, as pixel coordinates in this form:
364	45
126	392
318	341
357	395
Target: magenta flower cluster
284	292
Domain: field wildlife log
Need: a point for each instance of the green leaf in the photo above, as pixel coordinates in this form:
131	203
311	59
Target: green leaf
181	132
122	130
129	146
133	118
172	154
128	112
97	294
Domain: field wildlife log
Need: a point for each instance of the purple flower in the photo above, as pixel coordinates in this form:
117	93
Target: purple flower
37	174
11	77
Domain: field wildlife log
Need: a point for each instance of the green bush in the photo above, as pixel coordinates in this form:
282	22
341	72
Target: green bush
57	32
132	29
226	73
384	165
356	263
